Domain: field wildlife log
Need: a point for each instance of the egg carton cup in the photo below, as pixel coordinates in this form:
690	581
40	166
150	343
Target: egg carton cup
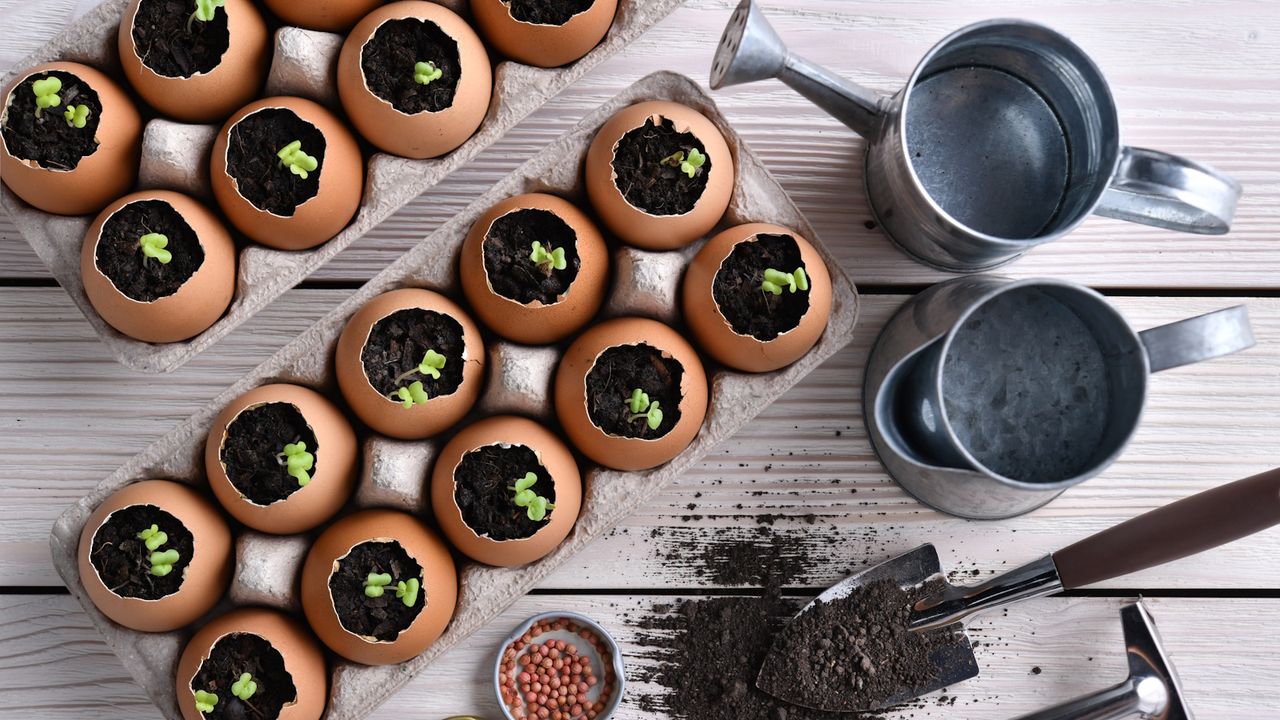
176	156
394	473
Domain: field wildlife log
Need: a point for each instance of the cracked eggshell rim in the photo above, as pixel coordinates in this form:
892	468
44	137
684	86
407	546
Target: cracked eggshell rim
100	177
203	97
635	226
204	580
303	659
197	303
319	218
336	456
335	16
535	323
551	453
543	45
439	584
615	451
713	332
425	134
379	411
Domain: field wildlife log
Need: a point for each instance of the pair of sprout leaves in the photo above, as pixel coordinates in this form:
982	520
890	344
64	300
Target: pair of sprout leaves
644	409
690	164
535	505
425	73
776	280
244	688
298	162
375	586
162	561
297	462
46	91
416	394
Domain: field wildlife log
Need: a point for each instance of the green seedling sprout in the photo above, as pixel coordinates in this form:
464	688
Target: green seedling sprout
415	394
77	116
153	248
245	687
375	584
298	162
776	280
407	591
205	701
205	10
153	537
642	408
689	164
162	562
46	91
548	259
298	462
431	365
425	73
535	505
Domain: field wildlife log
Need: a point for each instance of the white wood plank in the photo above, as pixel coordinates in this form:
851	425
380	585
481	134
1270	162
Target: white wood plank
1205	425
1199	78
50	652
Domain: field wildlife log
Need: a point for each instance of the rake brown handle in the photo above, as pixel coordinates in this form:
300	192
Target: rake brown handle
1191	525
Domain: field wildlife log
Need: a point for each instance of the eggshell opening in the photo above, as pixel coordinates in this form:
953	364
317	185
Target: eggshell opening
543	44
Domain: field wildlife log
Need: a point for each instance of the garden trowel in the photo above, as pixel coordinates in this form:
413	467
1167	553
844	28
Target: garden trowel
1205	520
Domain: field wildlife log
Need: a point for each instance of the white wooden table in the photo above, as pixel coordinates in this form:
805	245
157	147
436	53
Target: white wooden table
1197	78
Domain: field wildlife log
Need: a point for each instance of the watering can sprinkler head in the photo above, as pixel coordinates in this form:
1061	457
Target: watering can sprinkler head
751	50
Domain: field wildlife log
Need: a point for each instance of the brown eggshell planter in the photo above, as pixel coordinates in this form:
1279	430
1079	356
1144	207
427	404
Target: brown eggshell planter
302	65
393	472
303	661
715	334
536	322
424	134
543	44
99	177
551	454
208	96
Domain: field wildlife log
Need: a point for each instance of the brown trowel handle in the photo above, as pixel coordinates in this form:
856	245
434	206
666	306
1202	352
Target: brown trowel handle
1205	520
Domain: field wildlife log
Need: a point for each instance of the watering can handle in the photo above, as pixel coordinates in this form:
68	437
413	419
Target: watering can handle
1155	188
1204	337
1181	529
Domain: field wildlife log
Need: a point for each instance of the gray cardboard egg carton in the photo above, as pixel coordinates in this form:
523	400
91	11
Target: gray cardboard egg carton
176	157
395	473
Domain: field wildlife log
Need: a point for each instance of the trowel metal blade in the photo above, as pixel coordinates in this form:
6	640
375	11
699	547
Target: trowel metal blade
953	661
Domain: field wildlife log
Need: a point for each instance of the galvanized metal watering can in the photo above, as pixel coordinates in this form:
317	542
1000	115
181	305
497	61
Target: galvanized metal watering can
1004	138
987	397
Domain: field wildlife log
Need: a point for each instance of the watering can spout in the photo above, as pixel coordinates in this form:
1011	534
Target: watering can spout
751	50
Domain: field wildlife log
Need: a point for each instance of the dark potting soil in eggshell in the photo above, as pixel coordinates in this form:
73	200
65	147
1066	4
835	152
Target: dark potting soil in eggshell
736	289
234	655
389	58
123	561
166	45
397	344
507	249
855	651
48	140
650	184
138	277
617	372
253	162
548	12
482	483
383	617
250	451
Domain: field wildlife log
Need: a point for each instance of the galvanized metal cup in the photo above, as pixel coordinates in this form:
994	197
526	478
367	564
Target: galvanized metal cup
1005	137
909	377
598	662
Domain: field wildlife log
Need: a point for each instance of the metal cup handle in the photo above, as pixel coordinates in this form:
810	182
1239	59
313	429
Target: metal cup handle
1205	337
1155	188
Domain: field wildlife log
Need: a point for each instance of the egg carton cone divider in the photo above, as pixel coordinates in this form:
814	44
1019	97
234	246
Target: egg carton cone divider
394	471
301	66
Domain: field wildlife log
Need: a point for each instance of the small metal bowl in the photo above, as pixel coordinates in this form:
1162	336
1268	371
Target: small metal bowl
597	662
